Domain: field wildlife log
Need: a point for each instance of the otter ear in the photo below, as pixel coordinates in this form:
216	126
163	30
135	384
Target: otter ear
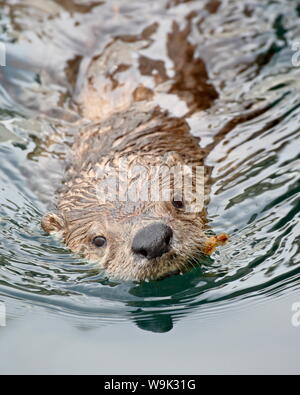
52	222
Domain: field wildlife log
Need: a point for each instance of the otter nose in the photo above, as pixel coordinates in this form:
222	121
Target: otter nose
152	241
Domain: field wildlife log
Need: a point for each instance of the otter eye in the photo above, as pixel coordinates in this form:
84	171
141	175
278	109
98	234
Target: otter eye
99	241
178	203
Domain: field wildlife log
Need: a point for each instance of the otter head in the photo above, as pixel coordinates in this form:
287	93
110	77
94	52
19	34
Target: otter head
134	237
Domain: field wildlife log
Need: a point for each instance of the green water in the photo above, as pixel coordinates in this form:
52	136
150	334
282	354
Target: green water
232	314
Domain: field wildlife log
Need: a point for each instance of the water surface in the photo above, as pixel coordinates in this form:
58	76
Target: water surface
247	50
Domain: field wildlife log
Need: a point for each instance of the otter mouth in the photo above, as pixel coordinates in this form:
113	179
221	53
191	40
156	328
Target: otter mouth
165	266
177	272
157	255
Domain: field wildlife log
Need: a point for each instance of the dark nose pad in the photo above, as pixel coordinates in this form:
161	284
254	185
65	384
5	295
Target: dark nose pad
152	241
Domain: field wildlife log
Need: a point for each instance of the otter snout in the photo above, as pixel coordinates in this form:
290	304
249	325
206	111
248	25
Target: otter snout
152	241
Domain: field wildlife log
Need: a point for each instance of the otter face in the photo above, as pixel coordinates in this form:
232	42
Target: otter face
147	242
158	229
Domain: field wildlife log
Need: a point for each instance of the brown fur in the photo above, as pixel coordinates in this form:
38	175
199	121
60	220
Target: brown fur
129	124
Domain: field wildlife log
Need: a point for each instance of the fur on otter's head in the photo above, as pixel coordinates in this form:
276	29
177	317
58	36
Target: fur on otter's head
132	239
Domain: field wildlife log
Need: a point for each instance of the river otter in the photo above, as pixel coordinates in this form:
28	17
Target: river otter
143	239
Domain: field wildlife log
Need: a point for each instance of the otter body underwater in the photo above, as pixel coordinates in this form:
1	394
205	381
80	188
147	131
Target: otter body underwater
137	239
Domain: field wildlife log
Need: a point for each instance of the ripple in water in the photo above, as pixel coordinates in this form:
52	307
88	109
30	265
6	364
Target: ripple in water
255	191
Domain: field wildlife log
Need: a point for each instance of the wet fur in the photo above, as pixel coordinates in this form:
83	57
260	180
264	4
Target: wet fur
128	123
